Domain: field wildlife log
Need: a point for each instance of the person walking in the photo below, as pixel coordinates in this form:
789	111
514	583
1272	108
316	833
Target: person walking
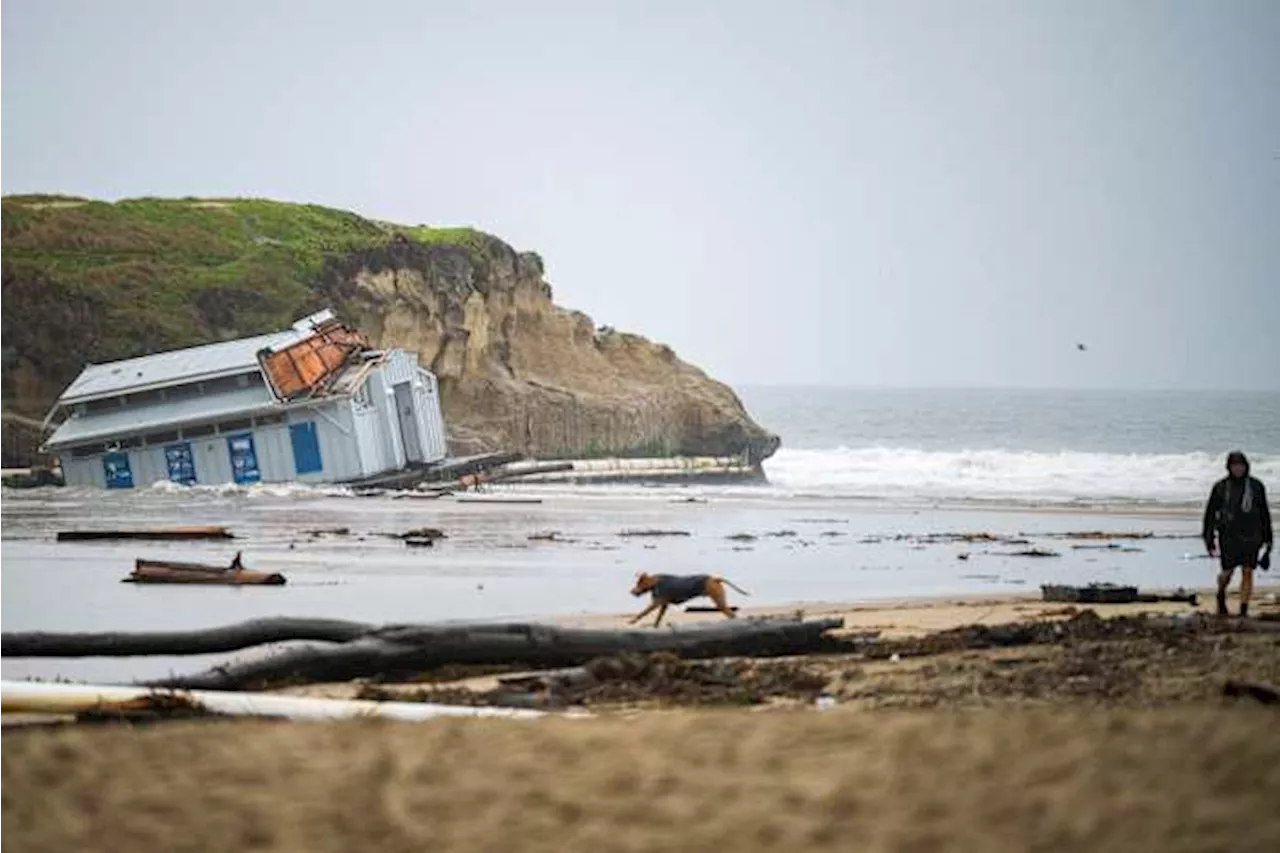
1237	526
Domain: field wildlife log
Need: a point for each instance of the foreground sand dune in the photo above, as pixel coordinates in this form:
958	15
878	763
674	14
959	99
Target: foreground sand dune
1189	779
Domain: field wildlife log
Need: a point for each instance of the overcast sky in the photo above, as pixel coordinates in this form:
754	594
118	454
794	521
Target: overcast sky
863	193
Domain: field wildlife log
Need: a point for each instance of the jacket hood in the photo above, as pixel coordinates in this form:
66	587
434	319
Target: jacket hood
1237	456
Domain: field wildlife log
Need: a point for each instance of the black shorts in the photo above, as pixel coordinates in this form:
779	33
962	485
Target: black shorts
1239	552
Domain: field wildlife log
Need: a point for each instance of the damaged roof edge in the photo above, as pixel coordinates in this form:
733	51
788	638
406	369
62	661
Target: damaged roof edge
180	366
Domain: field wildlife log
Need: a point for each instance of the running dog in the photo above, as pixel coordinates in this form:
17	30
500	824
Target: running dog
677	589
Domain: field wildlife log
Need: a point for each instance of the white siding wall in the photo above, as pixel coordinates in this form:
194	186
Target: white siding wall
339	449
426	397
384	404
374	453
83	472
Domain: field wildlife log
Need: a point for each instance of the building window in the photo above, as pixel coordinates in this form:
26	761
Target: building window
235	426
157	438
183	392
268	420
198	431
84	451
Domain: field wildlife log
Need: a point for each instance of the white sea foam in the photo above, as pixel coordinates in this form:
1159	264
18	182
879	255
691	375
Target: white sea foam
257	490
888	472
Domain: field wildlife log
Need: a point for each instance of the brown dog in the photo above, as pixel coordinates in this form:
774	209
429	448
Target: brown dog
677	589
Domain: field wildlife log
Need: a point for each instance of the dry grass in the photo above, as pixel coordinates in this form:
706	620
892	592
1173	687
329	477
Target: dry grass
1188	779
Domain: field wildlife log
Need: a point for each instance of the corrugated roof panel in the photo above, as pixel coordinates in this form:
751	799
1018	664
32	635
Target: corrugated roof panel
172	368
137	420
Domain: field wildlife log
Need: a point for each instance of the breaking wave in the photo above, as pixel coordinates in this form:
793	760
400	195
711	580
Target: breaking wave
1068	476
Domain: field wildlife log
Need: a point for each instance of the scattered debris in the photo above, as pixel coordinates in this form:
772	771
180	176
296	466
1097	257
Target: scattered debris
1029	552
328	531
782	534
1109	593
832	533
421	533
661	677
549	536
1243	689
495	499
165	571
154	534
689	500
654	532
420	543
1110	546
742	537
1101	535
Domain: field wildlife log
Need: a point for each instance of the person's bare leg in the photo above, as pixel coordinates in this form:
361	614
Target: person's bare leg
1224	580
1246	588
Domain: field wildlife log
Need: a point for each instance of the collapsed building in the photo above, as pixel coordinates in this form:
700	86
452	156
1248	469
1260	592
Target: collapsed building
313	403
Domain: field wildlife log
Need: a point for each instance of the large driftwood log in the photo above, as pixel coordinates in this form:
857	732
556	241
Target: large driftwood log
229	638
417	648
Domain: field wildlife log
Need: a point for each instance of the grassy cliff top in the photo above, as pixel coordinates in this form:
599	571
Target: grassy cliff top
90	280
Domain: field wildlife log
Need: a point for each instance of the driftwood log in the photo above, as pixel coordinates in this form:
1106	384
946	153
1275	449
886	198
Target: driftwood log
243	635
355	650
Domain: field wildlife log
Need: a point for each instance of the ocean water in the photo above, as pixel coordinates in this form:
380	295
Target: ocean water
1157	447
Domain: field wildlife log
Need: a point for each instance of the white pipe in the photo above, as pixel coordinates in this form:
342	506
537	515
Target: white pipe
38	697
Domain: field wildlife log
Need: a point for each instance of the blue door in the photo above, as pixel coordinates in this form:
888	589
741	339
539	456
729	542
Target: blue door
306	448
244	461
118	473
181	464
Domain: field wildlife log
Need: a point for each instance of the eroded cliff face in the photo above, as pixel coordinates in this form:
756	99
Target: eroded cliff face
518	372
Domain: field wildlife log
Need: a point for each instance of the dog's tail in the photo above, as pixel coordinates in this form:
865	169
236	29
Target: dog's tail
734	586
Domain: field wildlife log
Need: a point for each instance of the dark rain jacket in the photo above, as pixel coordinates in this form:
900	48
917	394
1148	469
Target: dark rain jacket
1237	511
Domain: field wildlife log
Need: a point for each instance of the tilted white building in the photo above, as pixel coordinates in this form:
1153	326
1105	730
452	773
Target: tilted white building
211	414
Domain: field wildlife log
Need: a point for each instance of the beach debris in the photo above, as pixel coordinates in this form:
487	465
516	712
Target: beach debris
1085	625
1244	689
154	534
1028	552
39	697
833	533
549	536
665	678
420	543
495	499
781	534
1109	593
357	650
168	571
421	533
1103	535
689	500
318	532
742	537
630	534
962	556
1110	546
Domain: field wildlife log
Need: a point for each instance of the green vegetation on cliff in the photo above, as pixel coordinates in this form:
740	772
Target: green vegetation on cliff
144	275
